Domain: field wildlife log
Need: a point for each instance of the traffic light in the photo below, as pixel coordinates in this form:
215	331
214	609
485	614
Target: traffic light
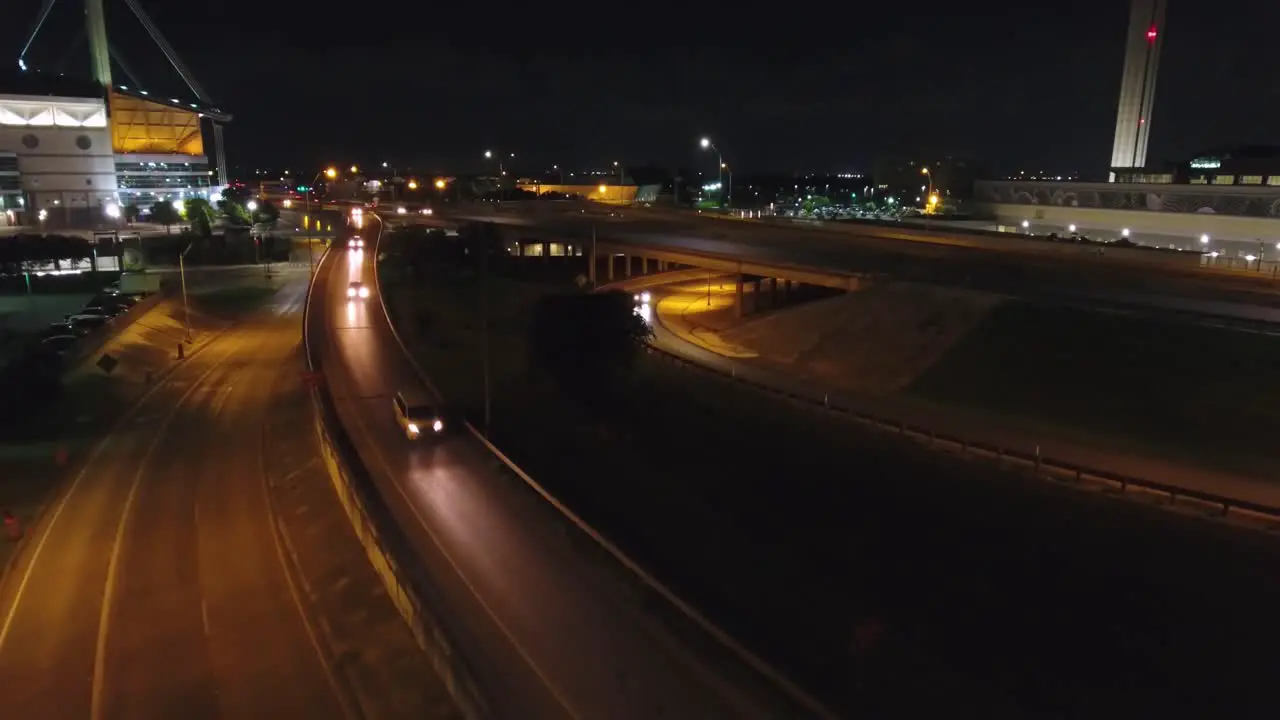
304	188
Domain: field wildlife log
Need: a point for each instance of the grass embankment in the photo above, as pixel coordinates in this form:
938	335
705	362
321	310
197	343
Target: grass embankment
1183	391
892	580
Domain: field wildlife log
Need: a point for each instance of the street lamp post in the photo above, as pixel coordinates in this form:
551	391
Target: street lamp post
720	170
182	276
330	173
502	170
933	199
728	195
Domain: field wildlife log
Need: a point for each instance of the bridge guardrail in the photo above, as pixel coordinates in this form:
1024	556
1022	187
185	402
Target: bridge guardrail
1040	464
383	541
794	693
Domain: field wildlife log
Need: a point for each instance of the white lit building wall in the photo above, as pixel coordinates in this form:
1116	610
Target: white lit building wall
65	163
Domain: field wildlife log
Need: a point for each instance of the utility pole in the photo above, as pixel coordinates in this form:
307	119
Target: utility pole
592	271
182	274
484	238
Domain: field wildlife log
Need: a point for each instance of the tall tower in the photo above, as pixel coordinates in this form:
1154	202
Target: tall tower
99	51
1138	84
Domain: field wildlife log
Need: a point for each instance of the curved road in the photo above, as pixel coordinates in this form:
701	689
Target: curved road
546	632
154	587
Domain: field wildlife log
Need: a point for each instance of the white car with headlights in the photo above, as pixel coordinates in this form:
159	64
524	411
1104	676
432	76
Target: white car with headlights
357	290
355	243
416	416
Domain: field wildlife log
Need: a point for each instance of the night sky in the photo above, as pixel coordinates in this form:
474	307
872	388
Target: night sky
800	88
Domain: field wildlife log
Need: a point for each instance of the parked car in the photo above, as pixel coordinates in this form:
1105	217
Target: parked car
89	322
59	343
106	310
65	328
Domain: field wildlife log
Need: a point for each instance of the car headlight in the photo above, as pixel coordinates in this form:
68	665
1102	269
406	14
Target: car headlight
351	292
437	425
645	297
364	292
413	428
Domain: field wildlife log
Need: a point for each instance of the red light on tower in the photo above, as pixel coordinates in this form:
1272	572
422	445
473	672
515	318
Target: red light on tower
1151	34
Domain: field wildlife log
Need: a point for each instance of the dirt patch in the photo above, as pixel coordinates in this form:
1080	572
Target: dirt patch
874	341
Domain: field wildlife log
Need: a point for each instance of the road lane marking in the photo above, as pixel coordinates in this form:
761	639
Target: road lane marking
96	699
97	451
552	689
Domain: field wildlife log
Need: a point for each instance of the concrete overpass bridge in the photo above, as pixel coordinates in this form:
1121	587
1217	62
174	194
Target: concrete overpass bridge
772	256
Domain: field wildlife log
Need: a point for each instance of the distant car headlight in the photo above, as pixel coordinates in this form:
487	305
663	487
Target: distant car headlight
351	292
401	210
437	425
645	297
413	428
364	292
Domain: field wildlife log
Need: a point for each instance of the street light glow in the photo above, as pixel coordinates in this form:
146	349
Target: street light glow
602	188
413	184
331	173
1204	239
251	205
488	153
354	169
440	183
112	210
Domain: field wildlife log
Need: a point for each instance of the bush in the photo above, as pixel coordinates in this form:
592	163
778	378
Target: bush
586	342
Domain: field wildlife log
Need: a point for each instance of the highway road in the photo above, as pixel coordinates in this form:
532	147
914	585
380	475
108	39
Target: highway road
154	586
544	627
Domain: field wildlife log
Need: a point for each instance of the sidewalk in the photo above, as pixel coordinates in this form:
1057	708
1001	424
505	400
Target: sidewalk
673	337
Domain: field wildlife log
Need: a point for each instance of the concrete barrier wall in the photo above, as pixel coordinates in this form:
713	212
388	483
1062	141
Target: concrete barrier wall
92	343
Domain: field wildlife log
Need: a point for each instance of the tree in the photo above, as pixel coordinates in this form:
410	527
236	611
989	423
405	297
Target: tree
586	342
131	213
235	212
235	193
267	212
165	214
200	215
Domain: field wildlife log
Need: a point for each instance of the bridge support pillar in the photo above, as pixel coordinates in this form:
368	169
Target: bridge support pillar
784	290
626	266
755	295
608	262
737	306
591	266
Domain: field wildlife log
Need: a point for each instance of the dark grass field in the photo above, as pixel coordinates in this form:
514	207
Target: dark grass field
1180	390
890	580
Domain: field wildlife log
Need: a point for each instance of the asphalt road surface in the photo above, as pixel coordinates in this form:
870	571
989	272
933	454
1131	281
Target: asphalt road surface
154	587
543	627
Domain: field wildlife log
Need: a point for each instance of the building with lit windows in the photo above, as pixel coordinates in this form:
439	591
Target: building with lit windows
70	150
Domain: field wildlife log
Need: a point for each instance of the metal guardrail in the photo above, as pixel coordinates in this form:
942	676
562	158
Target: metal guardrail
384	543
793	691
1039	464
